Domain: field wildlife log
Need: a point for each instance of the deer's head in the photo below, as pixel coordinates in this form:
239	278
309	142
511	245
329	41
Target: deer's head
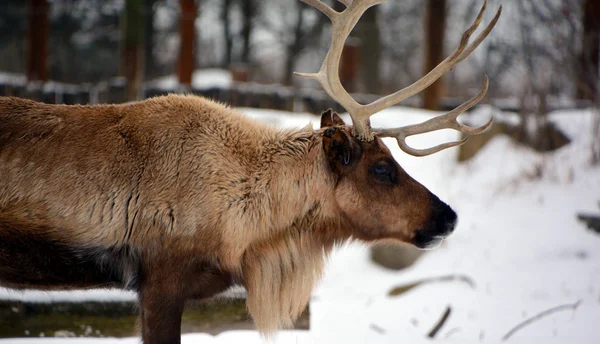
375	195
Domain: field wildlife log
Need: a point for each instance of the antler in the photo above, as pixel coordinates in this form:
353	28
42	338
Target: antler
343	23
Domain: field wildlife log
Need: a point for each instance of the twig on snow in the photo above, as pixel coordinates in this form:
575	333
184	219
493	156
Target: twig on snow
451	332
399	290
377	329
440	323
540	315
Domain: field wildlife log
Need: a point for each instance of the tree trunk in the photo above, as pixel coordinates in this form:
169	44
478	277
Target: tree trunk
248	13
589	61
227	33
149	62
186	50
294	49
133	47
370	51
435	24
38	39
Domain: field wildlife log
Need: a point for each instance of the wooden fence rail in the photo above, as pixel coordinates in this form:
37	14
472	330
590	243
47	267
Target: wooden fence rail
239	94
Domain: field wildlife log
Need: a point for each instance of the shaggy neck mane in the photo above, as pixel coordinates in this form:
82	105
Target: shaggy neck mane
280	270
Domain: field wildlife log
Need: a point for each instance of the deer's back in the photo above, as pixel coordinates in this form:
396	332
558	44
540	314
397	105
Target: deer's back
95	173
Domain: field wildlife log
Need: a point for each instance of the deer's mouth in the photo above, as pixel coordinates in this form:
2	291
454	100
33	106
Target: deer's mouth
442	224
427	241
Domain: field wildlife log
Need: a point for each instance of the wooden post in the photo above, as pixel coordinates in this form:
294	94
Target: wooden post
186	51
239	72
37	41
133	48
435	24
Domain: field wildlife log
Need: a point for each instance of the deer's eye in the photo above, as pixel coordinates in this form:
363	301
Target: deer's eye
384	172
380	170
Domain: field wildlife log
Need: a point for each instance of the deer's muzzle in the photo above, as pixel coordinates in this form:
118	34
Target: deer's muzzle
442	222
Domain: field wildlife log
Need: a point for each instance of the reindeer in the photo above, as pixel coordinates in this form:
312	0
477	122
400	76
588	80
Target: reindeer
179	197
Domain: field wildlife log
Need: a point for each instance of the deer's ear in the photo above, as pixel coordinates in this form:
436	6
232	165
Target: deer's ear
339	148
330	118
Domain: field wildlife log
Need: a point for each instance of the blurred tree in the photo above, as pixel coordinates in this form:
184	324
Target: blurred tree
367	30
243	35
435	25
496	57
166	36
295	46
547	51
37	54
85	37
401	42
589	68
589	60
225	9
150	68
133	47
295	26
66	22
187	34
13	35
248	13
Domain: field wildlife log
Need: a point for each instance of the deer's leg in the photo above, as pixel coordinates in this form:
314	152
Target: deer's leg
161	300
160	314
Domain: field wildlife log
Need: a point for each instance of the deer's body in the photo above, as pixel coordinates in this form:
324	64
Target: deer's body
176	186
174	166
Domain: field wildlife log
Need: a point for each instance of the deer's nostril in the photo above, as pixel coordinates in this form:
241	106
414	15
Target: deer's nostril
441	223
446	222
443	217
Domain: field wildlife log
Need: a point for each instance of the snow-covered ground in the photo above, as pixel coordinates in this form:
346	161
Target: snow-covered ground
518	240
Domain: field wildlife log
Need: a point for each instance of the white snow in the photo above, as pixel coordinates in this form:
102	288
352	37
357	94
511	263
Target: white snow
201	79
67	296
517	239
13	78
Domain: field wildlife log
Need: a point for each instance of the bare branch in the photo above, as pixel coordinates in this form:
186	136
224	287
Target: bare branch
440	323
538	316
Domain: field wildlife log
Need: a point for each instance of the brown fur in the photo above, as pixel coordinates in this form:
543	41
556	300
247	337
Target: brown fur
178	197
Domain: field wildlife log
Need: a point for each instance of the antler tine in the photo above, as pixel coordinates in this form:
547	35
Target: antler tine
346	3
459	54
482	35
328	75
321	6
447	121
